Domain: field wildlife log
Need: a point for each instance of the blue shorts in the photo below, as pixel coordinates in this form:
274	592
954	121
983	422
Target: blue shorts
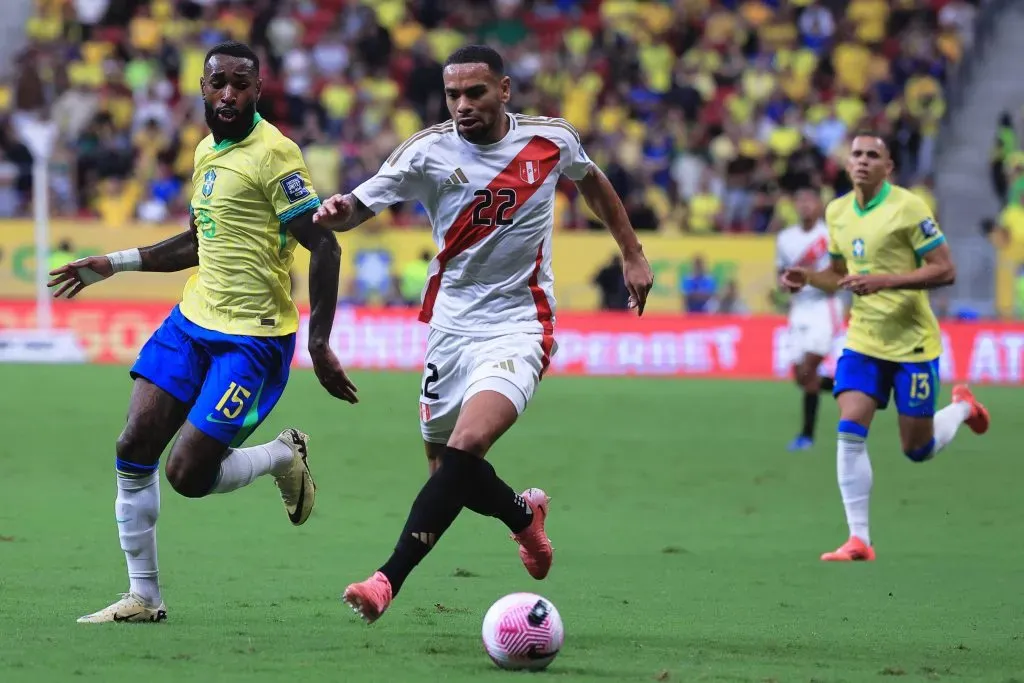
231	381
914	385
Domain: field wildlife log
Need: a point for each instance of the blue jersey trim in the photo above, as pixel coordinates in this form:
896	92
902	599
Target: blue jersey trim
921	251
309	204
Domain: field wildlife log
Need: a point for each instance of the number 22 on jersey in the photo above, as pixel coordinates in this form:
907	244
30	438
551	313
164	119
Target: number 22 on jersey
502	214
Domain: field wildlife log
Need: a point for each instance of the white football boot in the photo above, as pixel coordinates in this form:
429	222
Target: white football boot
131	609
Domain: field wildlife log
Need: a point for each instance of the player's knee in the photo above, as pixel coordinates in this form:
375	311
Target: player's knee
472	440
920	452
186	479
134	445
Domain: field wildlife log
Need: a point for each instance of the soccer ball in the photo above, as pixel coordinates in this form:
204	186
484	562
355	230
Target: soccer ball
522	631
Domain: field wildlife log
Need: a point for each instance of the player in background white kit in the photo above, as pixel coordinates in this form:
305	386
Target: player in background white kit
487	181
815	317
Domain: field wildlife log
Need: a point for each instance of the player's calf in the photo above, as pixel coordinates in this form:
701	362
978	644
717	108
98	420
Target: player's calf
153	417
191	476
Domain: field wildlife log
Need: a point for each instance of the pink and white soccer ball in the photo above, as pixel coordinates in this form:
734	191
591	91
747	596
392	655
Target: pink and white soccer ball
523	631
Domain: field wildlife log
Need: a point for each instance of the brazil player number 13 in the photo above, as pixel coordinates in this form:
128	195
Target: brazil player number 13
887	249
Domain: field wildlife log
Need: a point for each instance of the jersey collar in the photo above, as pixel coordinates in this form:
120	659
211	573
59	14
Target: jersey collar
883	192
226	142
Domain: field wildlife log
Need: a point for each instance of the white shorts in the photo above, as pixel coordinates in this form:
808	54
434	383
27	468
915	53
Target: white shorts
458	367
813	327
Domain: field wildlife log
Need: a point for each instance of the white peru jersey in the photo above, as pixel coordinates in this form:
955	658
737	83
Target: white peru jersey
491	210
796	247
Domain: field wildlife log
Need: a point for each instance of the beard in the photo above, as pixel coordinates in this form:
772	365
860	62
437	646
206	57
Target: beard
230	130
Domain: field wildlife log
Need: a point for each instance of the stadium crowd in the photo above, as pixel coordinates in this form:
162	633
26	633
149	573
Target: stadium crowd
705	114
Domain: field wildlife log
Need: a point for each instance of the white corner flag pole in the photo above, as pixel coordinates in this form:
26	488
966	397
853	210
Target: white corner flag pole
41	213
39	135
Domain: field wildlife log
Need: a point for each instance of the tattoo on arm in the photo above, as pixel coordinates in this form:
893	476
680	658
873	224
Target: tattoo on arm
173	254
324	270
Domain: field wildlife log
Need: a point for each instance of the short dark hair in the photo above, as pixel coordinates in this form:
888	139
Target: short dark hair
478	54
868	133
233	48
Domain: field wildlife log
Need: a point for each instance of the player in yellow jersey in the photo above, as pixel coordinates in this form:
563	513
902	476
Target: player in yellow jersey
888	250
220	362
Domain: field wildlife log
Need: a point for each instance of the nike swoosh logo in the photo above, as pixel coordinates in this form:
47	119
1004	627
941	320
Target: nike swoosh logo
120	618
211	418
297	514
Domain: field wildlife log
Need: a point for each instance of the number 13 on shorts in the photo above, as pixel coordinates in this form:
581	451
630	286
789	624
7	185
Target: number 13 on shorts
233	401
921	386
917	386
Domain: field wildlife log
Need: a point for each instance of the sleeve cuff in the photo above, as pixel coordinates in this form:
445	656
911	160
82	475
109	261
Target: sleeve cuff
308	205
925	248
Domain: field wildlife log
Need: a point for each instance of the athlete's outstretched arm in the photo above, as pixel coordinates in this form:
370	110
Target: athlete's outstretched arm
827	280
600	196
342	213
936	271
324	269
173	254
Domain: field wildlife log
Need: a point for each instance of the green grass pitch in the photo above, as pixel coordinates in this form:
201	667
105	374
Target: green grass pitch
686	544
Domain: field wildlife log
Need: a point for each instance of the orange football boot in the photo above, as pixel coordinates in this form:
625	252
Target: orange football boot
369	599
534	547
854	550
978	420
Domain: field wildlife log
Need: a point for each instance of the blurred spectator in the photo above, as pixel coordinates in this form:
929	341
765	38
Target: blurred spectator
1019	292
61	254
10	196
610	281
698	288
1006	143
413	279
728	302
705	206
706	115
1010	226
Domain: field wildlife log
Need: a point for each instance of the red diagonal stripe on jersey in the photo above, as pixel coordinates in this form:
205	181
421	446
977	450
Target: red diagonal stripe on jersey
463	234
814	251
544	314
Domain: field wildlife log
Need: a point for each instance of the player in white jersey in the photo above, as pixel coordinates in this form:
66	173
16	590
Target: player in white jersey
487	181
815	317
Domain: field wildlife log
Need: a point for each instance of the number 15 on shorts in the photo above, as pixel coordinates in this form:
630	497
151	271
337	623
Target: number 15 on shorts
233	401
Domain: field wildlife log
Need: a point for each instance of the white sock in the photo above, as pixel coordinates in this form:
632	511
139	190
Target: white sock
947	422
853	467
243	466
136	510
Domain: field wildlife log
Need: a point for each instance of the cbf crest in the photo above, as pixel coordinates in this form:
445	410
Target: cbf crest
529	172
208	181
858	248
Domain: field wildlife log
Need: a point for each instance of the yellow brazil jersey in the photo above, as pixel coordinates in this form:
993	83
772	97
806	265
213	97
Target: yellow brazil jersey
243	192
890	235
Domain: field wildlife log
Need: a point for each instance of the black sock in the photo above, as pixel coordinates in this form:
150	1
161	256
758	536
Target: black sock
810	414
489	496
435	508
827	384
